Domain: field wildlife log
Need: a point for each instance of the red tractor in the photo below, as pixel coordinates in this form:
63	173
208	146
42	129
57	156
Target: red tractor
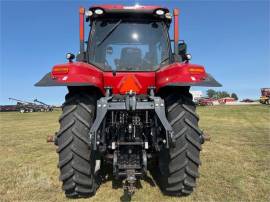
128	105
265	96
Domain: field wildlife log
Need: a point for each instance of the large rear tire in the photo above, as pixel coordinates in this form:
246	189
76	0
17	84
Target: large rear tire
178	166
76	161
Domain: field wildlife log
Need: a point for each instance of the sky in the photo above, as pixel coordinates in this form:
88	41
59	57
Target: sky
230	38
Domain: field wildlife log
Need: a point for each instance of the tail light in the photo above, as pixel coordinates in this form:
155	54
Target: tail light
60	70
196	70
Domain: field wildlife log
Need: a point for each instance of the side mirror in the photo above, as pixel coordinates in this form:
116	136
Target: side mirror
182	48
70	57
182	51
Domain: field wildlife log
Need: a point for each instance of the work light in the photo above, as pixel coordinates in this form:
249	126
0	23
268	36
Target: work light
88	13
160	12
168	16
188	56
98	11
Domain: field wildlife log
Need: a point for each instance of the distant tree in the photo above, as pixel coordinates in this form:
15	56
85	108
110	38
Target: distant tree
233	95
226	94
211	93
222	94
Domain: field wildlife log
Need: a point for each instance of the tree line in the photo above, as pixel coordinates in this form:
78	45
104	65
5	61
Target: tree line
220	94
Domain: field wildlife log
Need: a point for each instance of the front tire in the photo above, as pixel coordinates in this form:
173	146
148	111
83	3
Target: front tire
179	165
76	160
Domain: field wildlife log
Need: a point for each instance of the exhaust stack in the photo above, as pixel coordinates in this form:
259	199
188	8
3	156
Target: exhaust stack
82	11
176	31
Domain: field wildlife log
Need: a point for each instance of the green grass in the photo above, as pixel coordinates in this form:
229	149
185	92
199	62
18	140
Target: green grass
235	163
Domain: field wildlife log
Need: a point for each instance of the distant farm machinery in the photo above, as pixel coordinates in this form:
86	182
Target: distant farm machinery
25	106
47	108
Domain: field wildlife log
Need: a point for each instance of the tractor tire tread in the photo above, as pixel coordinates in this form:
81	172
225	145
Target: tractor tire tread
75	158
179	167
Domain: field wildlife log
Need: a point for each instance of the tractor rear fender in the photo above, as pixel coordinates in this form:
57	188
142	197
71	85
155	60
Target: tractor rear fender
184	74
73	74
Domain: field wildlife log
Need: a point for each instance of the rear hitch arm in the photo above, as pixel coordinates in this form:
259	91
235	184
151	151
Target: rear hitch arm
131	104
102	108
160	112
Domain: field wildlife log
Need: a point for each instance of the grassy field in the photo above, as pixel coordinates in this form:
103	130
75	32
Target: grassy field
235	163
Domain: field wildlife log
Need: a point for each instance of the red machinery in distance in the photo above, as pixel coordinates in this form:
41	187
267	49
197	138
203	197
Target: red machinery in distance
265	96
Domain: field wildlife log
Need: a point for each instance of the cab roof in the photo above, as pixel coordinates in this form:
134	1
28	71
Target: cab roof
119	7
121	11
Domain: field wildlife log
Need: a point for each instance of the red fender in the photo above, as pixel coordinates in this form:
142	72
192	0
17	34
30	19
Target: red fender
184	74
73	74
83	74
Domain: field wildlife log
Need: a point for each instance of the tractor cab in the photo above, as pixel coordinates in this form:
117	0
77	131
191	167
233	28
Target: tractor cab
125	38
132	39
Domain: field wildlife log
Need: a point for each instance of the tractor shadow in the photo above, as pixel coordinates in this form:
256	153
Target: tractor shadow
106	175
